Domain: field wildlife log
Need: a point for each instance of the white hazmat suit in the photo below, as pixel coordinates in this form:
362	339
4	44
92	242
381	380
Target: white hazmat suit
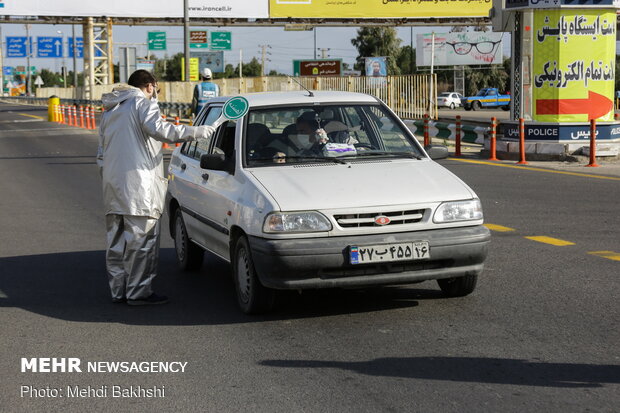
130	158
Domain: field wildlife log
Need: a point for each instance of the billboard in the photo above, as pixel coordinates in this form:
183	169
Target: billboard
319	67
460	48
375	66
573	65
378	8
211	60
138	8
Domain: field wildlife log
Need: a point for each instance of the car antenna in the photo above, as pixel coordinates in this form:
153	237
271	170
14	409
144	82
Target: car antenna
310	94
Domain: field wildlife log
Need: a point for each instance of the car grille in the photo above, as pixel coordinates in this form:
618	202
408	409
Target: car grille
368	219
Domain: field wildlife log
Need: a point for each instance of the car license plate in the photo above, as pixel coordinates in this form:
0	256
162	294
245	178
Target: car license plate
405	251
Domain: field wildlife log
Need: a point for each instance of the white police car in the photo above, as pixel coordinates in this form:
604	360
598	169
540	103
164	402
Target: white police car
324	189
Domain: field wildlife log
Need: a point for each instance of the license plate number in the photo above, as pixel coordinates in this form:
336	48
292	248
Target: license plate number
404	251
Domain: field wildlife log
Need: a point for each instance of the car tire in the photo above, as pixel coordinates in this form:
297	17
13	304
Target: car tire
476	105
458	286
252	296
505	107
452	106
189	255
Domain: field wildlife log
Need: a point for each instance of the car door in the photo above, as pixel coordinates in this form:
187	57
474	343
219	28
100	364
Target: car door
219	190
188	178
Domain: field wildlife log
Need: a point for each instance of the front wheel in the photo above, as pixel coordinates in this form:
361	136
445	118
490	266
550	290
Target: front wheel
452	106
252	296
189	255
458	286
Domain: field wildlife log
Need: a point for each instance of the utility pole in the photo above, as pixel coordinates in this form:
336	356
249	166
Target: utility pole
75	75
263	58
186	38
28	50
324	54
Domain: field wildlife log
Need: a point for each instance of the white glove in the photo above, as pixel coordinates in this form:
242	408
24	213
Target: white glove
203	132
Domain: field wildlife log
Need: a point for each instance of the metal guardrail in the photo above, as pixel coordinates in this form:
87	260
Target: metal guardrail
167	108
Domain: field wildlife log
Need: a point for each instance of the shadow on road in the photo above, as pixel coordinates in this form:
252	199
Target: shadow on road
73	286
472	369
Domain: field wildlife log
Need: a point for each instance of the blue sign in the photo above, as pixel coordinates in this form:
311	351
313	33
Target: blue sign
16	46
48	46
7	70
560	132
79	47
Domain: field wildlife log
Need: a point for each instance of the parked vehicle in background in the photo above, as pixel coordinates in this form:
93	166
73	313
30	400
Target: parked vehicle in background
488	97
449	100
320	190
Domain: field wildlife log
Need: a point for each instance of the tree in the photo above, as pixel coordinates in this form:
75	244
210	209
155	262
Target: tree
50	78
174	68
377	41
405	60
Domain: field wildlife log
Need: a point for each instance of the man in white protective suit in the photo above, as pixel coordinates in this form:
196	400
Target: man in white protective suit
134	188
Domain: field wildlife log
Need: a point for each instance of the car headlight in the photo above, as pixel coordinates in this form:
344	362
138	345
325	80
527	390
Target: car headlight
469	210
308	221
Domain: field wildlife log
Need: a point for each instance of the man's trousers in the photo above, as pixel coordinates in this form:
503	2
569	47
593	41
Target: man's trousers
132	255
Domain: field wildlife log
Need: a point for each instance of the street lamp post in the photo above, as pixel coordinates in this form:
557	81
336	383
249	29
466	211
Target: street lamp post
62	52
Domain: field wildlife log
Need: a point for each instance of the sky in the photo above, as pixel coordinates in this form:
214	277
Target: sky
284	45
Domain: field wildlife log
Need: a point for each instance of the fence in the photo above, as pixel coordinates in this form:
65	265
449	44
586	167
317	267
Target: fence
407	95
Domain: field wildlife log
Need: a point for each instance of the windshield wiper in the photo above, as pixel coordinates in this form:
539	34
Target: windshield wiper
327	158
385	153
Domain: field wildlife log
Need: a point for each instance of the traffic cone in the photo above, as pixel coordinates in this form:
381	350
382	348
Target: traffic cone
63	114
74	117
88	124
177	122
92	114
165	145
81	116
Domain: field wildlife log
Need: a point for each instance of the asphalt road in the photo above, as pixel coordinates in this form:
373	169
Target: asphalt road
540	333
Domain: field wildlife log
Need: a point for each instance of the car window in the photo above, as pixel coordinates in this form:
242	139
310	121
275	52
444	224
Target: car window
445	94
201	147
225	139
298	134
208	116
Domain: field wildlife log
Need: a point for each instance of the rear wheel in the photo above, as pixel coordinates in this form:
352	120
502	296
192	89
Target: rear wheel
476	105
452	106
252	296
506	107
458	286
189	255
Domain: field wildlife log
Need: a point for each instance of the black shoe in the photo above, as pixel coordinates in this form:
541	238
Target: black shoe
152	299
119	300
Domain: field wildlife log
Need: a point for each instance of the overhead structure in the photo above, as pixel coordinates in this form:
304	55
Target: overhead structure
98	55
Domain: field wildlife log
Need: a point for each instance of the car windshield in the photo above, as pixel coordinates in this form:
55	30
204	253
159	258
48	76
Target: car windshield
325	133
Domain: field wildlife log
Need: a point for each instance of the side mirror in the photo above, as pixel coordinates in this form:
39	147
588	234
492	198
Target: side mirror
437	151
214	161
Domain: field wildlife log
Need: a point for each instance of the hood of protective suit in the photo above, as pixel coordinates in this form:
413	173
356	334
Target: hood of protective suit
120	94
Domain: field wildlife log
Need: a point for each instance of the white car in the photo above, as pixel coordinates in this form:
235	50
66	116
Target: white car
357	202
449	100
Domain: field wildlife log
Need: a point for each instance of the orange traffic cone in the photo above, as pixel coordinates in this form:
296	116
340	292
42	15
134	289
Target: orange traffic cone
165	145
81	116
177	122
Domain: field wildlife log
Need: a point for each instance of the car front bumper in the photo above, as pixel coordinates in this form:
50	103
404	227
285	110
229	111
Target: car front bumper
324	262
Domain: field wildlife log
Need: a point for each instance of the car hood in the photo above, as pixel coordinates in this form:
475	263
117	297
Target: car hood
360	184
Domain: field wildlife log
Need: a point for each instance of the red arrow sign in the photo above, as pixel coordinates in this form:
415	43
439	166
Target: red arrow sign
594	106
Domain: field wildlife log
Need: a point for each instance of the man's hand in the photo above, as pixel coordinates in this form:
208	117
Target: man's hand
204	132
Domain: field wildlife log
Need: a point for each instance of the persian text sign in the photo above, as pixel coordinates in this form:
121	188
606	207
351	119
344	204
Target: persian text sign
460	48
378	8
573	66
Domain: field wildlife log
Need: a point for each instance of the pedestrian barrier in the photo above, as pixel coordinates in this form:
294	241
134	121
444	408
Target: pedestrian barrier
82	116
177	122
493	139
165	145
522	142
457	138
427	139
593	144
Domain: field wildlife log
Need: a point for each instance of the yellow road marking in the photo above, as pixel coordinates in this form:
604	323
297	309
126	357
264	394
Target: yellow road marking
528	168
31	116
552	241
606	254
498	228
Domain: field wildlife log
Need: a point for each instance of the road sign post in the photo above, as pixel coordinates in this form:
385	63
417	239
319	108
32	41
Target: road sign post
221	41
157	40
